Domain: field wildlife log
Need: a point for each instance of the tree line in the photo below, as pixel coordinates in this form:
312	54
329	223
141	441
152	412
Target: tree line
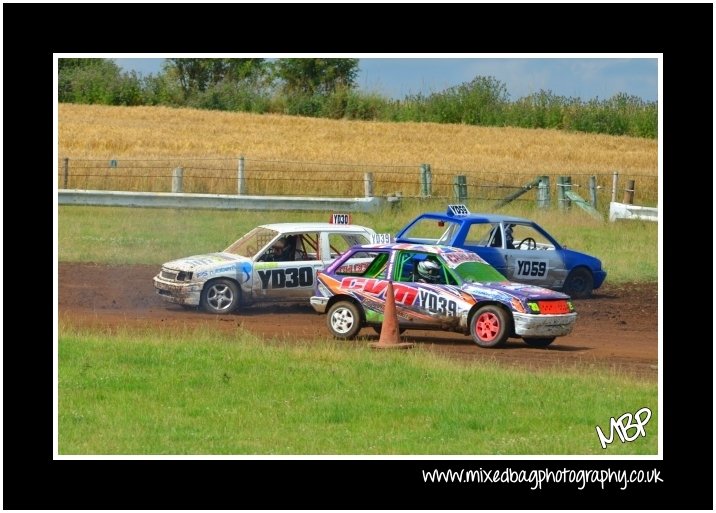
327	88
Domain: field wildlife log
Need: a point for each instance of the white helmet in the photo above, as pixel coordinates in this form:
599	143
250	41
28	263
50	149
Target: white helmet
429	270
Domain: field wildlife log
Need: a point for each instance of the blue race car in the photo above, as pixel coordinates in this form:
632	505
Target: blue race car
518	248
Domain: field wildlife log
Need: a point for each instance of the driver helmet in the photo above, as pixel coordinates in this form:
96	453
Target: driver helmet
429	270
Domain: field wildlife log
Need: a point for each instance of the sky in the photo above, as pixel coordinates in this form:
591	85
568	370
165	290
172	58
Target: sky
580	77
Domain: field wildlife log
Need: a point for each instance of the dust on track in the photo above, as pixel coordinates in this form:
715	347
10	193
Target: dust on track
617	328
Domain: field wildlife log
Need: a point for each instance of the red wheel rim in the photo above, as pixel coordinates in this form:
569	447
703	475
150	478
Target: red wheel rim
488	326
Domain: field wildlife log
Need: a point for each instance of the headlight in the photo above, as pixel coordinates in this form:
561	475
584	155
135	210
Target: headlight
185	276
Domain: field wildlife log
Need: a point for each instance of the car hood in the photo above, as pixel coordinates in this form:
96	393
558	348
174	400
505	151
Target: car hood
198	263
509	289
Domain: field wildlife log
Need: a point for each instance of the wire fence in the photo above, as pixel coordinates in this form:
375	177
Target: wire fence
249	176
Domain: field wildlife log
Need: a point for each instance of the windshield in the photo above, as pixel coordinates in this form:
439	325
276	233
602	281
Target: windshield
472	272
252	242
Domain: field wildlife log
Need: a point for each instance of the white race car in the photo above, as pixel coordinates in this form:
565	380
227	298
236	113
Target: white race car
273	262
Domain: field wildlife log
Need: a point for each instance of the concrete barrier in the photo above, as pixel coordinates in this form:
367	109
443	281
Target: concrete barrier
626	211
218	201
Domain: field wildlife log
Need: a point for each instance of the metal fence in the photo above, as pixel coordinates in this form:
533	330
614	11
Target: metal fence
248	176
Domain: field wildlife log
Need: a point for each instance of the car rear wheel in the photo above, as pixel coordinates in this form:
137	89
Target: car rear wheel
539	342
344	320
489	326
579	283
220	296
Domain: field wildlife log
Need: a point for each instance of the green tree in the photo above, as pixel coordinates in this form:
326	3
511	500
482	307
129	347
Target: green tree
308	77
96	81
198	75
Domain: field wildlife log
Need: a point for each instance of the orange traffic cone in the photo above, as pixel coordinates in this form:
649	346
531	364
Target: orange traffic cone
389	334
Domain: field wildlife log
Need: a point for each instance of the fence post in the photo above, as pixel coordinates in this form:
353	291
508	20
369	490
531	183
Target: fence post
564	184
615	179
459	188
242	177
67	172
567	187
368	184
178	179
426	181
593	191
560	192
629	193
543	198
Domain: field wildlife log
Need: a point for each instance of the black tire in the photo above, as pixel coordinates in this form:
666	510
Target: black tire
490	326
539	342
377	329
220	296
579	283
344	320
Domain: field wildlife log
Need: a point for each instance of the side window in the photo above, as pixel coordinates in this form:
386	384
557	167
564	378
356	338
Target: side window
422	268
363	263
307	246
484	234
527	238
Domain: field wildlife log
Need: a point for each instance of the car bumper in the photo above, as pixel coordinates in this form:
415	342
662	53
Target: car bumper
319	303
527	325
179	293
599	277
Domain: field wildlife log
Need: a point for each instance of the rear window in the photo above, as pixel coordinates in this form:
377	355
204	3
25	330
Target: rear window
370	264
432	231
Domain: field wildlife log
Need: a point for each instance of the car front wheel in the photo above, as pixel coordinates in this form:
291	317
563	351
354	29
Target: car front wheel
220	296
344	320
489	326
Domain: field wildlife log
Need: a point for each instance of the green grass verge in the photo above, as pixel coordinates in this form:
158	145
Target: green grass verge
159	393
116	235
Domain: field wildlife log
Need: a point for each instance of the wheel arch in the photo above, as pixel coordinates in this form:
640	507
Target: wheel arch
576	269
480	304
217	278
345	297
240	292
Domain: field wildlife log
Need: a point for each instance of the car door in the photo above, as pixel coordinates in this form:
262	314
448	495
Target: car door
292	277
421	303
531	258
486	239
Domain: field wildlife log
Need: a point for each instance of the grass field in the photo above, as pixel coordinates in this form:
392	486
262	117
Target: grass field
200	393
628	249
196	393
302	156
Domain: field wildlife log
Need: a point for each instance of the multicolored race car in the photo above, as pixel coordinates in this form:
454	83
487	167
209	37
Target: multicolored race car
441	288
518	248
273	262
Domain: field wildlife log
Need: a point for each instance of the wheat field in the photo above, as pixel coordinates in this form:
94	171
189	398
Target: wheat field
297	155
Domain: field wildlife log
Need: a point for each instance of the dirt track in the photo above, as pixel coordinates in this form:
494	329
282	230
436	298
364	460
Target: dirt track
617	328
